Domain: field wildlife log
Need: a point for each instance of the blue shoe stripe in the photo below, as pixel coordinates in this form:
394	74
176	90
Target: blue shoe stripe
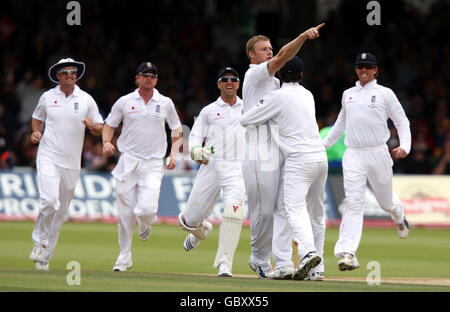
406	223
261	272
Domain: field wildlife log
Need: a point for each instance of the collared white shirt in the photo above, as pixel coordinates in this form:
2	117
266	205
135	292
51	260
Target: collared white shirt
62	140
218	125
364	114
257	82
292	109
143	133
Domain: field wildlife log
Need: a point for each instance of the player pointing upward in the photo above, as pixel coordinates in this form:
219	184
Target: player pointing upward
262	183
304	173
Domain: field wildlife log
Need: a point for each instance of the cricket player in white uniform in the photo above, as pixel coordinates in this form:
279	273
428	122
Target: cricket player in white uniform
66	111
142	144
217	125
261	167
365	110
305	170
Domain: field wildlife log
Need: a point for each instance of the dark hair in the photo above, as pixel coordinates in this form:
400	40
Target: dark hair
291	77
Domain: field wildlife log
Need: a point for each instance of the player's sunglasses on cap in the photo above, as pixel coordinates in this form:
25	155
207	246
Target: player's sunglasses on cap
67	72
367	66
148	74
226	78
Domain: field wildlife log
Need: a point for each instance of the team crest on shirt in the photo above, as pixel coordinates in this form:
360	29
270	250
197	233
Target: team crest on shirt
158	114
372	101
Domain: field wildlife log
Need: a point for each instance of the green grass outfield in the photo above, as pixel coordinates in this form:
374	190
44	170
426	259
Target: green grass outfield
420	263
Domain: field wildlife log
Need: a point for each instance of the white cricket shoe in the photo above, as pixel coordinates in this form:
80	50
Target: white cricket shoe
37	253
284	273
348	262
224	270
42	266
311	260
144	235
262	274
314	276
403	228
317	273
193	241
122	267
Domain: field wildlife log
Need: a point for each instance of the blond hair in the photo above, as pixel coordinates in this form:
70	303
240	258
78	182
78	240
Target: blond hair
252	41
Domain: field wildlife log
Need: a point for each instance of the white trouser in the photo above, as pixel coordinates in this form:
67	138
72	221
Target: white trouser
359	166
304	189
137	197
262	185
210	179
56	188
282	235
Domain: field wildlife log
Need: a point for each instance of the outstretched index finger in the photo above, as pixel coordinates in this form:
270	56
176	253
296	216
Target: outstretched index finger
319	26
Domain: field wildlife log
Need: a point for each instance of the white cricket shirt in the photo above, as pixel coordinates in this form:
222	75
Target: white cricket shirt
62	140
143	133
364	114
257	82
292	108
218	124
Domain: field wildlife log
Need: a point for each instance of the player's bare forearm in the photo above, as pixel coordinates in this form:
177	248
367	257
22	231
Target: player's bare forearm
107	135
37	127
176	136
285	54
97	129
94	128
289	50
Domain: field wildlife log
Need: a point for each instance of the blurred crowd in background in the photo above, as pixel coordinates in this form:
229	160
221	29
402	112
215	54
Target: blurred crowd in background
190	41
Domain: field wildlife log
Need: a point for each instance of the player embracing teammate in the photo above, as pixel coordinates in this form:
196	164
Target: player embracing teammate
283	170
271	233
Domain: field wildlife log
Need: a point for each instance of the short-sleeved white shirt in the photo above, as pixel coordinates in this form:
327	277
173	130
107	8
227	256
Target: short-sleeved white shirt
218	125
292	108
143	133
257	82
62	140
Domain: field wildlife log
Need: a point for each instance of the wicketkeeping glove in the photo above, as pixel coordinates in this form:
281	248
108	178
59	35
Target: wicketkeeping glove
202	154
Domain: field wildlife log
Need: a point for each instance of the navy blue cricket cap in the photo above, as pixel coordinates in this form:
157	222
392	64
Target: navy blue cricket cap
225	70
366	58
294	65
146	67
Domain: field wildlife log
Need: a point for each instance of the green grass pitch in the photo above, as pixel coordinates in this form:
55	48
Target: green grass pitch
162	265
